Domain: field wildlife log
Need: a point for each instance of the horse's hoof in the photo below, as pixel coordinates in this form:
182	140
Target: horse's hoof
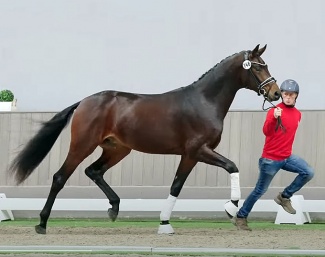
40	230
112	214
165	229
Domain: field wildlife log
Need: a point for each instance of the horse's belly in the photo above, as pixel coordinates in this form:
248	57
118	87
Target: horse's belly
155	146
144	142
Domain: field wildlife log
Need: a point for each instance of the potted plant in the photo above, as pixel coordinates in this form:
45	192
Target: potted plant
6	99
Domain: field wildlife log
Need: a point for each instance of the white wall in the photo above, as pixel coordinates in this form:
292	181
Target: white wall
56	52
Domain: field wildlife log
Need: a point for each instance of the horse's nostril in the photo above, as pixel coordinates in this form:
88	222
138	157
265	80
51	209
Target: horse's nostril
277	94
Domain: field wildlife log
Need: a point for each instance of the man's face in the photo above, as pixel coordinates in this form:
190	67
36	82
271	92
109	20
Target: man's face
289	98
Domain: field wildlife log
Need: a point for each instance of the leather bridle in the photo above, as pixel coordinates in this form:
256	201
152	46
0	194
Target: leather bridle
247	64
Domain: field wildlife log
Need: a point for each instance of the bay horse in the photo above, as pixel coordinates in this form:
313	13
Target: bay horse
187	121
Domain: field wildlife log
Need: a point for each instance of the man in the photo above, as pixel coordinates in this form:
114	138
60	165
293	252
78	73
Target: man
277	154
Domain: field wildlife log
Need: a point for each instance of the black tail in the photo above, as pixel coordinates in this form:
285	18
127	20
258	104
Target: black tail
39	146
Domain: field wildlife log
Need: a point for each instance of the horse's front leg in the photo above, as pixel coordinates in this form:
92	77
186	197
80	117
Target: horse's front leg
209	156
184	169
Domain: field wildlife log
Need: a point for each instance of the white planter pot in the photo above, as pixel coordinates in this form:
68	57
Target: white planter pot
5	106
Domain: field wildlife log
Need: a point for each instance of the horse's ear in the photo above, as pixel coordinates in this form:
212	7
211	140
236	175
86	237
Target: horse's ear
258	52
261	50
255	51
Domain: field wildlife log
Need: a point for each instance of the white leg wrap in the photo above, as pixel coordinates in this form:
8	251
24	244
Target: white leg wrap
235	187
168	208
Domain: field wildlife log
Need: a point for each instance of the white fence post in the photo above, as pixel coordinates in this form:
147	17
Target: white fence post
301	216
5	214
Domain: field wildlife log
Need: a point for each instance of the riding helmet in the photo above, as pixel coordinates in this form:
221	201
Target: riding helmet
290	85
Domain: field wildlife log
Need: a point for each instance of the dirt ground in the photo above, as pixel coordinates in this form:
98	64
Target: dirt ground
218	238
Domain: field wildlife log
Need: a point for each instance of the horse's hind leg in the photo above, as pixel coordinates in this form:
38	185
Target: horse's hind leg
184	169
59	180
96	171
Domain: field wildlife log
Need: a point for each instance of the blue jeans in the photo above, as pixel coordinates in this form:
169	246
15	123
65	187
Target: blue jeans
268	168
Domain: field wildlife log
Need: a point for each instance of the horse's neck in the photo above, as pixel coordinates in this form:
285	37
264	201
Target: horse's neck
219	91
223	103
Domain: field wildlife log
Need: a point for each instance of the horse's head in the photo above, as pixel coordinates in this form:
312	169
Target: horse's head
257	76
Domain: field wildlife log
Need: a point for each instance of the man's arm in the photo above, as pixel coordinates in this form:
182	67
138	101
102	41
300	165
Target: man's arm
270	121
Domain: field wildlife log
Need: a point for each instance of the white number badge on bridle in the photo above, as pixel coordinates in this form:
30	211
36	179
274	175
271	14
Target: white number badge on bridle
247	64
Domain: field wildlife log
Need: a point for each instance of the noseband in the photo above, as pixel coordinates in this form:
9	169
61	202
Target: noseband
247	64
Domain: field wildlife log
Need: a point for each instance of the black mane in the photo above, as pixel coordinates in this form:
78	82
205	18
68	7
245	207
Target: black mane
213	68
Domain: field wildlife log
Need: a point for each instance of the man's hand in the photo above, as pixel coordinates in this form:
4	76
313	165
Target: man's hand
277	112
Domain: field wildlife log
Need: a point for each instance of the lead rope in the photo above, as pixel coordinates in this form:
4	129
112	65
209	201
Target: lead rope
279	121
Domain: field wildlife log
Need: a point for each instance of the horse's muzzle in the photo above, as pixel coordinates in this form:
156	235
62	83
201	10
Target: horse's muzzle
275	96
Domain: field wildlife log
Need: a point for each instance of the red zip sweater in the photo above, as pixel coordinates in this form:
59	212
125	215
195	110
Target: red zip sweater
278	144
